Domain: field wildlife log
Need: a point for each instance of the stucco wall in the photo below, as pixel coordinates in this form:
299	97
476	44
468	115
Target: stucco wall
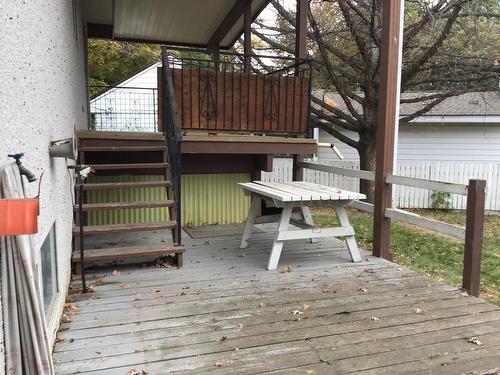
42	98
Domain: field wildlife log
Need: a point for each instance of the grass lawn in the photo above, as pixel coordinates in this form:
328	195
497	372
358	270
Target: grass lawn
436	255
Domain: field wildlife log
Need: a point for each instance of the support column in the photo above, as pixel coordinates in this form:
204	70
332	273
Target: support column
387	116
301	29
247	37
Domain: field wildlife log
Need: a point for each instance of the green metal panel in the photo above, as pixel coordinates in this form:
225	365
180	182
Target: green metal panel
206	199
214	199
143	215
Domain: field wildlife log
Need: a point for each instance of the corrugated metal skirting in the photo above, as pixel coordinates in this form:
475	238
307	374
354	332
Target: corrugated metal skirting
206	199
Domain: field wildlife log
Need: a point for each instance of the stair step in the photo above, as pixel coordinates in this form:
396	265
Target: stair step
125	185
98	167
122	148
124	205
113	253
121	228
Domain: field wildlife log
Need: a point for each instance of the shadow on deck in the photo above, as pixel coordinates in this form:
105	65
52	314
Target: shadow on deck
223	313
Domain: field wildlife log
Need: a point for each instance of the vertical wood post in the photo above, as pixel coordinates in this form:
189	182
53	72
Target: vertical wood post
301	30
247	37
297	172
473	236
386	122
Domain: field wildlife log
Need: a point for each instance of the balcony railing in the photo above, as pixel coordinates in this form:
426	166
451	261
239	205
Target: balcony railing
242	93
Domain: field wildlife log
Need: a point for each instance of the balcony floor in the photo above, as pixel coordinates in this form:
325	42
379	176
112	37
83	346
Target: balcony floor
223	313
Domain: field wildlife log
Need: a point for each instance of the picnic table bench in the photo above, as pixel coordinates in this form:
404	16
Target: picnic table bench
287	195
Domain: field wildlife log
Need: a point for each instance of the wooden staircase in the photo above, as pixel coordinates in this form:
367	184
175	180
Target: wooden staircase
123	154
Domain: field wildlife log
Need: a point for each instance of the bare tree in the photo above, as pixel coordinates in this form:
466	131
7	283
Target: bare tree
447	51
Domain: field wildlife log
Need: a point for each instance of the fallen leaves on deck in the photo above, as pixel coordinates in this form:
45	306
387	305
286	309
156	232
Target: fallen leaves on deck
474	340
286	269
327	360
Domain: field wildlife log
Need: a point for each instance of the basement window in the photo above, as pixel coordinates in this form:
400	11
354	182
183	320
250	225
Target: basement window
50	283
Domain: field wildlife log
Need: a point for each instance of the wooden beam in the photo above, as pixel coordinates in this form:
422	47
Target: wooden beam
474	237
99	31
301	29
227	23
386	123
247	36
357	173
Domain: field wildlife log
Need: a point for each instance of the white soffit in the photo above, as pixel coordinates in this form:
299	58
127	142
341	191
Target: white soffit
186	22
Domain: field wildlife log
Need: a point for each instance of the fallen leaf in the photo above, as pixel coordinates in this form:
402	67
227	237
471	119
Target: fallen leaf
223	338
286	269
219	363
132	371
364	290
418	311
236	349
297	312
182	334
103	359
115	273
474	340
262	304
305	306
327	360
310	371
240	326
140	350
374	318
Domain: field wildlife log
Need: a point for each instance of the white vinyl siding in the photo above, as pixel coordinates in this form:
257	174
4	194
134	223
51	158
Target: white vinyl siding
425	142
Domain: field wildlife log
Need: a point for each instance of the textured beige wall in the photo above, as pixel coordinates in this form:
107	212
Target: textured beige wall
42	98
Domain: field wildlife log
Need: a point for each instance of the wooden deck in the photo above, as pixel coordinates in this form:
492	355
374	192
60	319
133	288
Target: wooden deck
223	313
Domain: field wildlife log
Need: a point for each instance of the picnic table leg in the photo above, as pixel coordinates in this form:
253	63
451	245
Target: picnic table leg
274	258
308	219
350	240
249	222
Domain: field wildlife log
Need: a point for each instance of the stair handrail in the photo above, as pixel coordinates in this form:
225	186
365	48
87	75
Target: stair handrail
173	136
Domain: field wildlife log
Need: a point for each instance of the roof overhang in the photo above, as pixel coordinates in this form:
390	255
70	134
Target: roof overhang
208	24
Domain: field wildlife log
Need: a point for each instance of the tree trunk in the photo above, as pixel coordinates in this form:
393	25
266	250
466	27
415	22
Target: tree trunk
367	163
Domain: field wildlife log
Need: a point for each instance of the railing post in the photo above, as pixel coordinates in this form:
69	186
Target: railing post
474	236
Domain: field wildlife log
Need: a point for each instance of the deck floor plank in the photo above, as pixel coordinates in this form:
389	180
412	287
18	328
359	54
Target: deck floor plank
373	317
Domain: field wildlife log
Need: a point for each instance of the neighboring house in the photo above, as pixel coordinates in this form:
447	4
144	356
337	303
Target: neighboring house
457	140
130	105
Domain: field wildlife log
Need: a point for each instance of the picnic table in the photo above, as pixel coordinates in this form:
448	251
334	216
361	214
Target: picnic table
301	194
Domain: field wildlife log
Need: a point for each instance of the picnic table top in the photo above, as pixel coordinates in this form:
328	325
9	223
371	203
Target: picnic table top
299	191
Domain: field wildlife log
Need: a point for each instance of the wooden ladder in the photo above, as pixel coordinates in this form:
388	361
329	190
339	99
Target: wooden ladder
90	153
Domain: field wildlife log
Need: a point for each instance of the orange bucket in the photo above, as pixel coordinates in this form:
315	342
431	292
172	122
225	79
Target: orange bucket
20	215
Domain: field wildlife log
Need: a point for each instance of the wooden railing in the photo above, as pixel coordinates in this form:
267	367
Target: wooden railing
242	94
472	233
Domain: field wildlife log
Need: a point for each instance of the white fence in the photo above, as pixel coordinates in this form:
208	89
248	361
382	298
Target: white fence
407	197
